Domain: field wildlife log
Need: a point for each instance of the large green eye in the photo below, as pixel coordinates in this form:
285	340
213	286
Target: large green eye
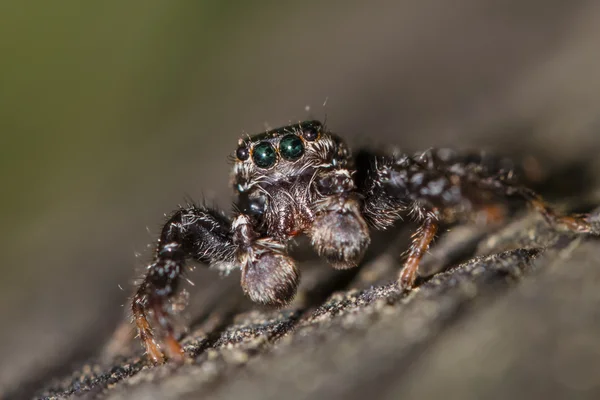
264	155
291	147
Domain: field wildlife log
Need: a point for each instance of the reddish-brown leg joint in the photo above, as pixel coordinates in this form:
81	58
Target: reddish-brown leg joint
145	333
420	244
172	346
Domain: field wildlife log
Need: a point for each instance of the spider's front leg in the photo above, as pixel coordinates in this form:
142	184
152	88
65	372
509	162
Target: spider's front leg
191	232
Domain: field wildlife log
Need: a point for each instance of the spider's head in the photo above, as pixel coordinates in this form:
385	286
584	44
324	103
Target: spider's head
284	154
276	174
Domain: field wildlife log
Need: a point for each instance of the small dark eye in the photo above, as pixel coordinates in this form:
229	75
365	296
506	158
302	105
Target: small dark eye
311	132
291	147
242	153
264	155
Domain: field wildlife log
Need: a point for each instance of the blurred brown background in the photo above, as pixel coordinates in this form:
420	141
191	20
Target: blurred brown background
112	112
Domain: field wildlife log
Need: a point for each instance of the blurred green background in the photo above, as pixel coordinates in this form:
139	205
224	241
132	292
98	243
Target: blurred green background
112	112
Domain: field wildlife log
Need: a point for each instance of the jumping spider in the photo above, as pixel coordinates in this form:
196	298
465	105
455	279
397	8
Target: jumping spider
303	179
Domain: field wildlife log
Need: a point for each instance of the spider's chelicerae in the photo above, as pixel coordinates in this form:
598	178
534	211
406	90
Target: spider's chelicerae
302	179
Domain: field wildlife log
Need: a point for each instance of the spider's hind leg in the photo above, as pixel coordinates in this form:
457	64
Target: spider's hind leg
577	223
503	184
504	178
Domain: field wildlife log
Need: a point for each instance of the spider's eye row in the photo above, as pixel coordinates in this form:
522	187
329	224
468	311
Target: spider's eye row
242	153
291	147
264	155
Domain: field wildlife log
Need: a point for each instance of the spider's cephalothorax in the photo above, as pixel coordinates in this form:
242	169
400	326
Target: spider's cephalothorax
302	179
296	180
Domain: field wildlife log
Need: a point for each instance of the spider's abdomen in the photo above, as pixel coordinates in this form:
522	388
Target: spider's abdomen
452	182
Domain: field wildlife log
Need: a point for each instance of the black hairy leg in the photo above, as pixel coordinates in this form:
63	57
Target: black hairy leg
191	232
269	276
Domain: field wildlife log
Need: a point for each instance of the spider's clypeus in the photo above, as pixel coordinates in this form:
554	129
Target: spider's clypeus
303	179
